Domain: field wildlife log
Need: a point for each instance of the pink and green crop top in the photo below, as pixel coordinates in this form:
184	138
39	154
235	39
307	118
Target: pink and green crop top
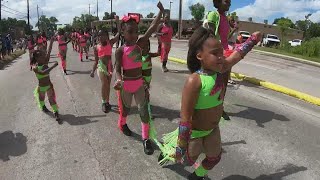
132	57
210	93
41	76
104	51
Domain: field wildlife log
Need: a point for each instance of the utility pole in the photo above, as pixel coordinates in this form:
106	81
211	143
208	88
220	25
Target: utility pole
89	9
97	9
170	9
0	9
111	14
38	17
28	16
180	20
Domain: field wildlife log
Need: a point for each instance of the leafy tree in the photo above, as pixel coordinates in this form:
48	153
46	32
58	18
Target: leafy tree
107	15
46	24
197	11
292	25
83	21
284	24
313	31
11	23
150	15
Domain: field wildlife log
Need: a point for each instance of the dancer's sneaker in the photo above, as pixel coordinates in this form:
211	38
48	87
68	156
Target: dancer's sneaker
193	176
165	69
225	116
147	147
65	72
45	109
106	107
58	119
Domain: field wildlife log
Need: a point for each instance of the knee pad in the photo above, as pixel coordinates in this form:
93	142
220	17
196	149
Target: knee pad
209	162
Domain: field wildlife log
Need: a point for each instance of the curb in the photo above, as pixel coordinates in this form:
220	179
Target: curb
268	85
287	57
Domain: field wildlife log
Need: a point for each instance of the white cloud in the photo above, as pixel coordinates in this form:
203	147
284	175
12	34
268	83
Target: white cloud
294	9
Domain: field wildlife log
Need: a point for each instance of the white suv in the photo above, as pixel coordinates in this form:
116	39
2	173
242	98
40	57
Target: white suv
295	42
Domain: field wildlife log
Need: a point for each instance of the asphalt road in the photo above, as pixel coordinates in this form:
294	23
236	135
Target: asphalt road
294	75
270	136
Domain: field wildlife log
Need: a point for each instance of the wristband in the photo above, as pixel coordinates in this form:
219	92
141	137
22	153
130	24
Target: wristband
247	46
183	139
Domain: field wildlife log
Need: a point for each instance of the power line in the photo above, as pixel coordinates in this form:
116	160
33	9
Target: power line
12	9
11	12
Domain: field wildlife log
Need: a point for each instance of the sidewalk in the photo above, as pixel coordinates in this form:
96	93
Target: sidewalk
291	74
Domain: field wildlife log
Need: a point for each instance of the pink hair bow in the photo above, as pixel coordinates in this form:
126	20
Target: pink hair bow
131	16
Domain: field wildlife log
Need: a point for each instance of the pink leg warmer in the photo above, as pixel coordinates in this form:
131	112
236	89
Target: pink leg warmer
122	120
145	130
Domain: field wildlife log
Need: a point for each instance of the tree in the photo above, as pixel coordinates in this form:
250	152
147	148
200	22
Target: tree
292	25
197	11
313	31
107	15
150	15
284	24
45	23
9	24
84	21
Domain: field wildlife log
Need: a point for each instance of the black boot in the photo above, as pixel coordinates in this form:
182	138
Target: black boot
126	131
45	109
165	69
147	147
225	116
193	176
65	72
106	107
56	115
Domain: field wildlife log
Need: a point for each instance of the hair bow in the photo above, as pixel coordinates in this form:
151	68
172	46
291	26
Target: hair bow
134	17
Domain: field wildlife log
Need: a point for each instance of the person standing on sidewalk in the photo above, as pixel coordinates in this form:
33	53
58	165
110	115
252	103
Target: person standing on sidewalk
165	31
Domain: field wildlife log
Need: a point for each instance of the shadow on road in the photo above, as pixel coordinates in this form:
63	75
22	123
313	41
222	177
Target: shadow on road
70	72
166	113
179	71
259	115
180	169
280	173
77	121
12	144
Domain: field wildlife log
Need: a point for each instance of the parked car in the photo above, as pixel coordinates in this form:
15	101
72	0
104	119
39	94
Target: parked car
245	35
295	42
271	40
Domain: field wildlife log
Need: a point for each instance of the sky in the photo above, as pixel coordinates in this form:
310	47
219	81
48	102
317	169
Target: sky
65	10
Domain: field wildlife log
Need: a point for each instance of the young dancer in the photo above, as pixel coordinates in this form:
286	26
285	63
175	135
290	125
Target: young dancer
129	75
62	46
73	38
88	37
202	103
40	43
40	67
44	39
82	39
31	45
219	24
147	71
103	61
165	31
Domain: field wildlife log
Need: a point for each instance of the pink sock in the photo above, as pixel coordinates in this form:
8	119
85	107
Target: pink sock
63	64
145	130
122	120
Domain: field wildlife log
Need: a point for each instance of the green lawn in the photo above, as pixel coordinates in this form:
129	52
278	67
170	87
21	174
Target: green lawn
279	51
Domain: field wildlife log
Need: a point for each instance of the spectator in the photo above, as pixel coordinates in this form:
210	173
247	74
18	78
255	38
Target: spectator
9	47
4	46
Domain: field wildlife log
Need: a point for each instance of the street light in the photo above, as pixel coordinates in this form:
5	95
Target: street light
170	9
